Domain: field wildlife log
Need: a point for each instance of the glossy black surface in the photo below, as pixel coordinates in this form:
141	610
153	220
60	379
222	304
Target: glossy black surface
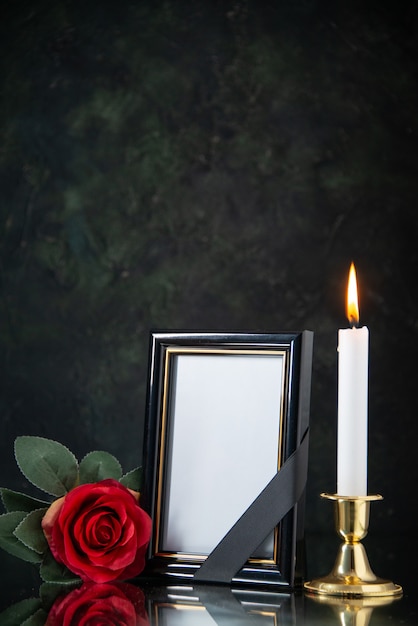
184	605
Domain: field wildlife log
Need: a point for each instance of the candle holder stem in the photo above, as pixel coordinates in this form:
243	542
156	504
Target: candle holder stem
352	574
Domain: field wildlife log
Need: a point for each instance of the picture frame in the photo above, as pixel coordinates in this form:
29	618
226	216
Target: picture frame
225	456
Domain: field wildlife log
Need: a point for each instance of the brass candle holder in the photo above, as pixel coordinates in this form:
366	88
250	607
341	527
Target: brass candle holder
352	575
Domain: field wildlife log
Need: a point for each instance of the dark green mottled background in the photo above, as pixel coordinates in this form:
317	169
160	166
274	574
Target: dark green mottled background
206	165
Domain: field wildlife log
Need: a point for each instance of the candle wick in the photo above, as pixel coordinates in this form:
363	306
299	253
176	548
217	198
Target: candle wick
353	322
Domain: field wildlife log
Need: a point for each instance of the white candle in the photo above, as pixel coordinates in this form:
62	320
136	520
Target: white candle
353	366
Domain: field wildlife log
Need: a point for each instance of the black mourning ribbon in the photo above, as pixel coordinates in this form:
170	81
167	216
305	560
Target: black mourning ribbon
278	497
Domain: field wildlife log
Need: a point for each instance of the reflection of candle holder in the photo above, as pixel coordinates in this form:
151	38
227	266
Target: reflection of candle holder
352	574
353	611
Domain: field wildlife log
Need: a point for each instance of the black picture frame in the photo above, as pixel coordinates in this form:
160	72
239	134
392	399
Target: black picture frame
215	481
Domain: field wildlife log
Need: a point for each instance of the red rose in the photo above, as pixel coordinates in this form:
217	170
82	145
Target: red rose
98	605
99	531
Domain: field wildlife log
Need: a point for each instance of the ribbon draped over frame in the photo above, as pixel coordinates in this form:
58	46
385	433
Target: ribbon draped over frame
278	497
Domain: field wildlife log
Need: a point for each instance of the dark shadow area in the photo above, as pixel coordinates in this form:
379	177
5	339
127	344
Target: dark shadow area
206	165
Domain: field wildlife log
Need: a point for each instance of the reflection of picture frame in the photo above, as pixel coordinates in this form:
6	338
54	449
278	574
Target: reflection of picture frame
206	605
227	414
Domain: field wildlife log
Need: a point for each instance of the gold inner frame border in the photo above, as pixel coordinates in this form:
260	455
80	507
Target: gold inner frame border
173	351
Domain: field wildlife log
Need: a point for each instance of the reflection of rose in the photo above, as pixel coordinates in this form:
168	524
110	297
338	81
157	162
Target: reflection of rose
99	531
112	604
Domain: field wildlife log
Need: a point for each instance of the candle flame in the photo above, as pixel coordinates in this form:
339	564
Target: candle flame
352	297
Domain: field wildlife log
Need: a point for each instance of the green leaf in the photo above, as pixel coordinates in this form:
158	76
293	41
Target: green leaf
99	465
17	613
15	501
37	619
10	543
133	479
53	572
30	532
46	464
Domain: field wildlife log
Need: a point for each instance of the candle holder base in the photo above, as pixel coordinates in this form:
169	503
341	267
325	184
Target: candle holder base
352	574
